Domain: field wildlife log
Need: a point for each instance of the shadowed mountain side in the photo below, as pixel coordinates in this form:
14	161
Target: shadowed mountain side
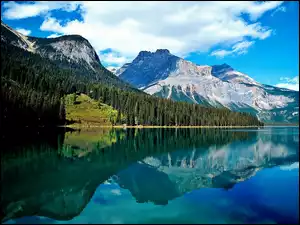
157	187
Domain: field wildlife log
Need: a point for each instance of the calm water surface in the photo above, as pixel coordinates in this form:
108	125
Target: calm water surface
151	176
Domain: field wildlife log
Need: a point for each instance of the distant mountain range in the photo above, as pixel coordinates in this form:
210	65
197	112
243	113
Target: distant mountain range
165	75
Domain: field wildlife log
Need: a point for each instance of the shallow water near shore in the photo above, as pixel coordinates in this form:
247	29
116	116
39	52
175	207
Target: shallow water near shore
152	176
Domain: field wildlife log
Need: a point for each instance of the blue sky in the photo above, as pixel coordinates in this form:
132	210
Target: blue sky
260	39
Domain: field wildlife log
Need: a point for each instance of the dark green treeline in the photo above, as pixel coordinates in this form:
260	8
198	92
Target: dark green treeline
150	110
32	91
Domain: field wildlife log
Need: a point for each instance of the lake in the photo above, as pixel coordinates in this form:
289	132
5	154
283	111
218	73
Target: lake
150	176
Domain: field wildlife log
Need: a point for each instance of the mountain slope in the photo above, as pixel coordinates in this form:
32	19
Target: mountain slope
165	75
68	52
227	73
148	68
84	111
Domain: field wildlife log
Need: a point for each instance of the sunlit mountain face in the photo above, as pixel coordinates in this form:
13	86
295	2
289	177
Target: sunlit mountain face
163	74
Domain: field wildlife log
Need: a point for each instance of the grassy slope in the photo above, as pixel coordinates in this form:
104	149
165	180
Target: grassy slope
87	111
78	144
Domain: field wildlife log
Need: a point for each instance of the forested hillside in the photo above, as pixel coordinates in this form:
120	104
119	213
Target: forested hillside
33	91
72	52
150	110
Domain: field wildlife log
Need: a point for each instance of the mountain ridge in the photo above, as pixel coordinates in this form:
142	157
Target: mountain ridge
165	75
68	52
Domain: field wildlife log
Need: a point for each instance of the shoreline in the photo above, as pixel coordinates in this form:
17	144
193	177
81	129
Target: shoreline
140	126
85	126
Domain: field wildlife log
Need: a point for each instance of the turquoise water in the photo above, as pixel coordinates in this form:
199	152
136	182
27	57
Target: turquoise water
155	176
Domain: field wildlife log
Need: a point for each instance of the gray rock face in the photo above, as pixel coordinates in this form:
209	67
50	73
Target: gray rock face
72	52
148	68
227	73
165	75
71	48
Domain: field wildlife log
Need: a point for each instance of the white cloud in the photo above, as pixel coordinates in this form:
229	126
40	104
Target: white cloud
279	9
53	35
290	80
129	27
220	53
294	87
15	10
260	8
290	167
238	49
51	24
290	83
23	31
112	58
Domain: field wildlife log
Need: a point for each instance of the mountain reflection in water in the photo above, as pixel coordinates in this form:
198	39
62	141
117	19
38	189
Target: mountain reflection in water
56	174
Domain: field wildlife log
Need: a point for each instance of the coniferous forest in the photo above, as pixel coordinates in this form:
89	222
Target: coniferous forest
33	90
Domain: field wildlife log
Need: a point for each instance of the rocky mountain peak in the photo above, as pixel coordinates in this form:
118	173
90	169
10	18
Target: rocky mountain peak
220	69
68	48
226	73
157	53
168	76
225	65
162	51
143	54
71	48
